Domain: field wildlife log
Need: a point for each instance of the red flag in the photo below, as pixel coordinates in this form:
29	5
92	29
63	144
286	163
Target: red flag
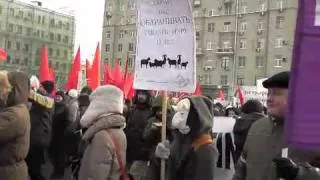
74	72
128	85
240	95
221	95
198	90
107	74
3	54
94	79
126	69
44	65
118	76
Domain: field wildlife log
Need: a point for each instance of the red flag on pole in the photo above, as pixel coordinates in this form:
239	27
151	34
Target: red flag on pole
107	74
198	90
221	95
118	76
94	79
240	95
3	54
44	65
74	72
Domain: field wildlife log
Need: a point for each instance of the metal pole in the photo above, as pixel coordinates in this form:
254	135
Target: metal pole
235	48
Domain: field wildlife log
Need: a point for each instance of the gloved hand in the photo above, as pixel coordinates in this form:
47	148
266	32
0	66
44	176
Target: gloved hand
163	150
286	168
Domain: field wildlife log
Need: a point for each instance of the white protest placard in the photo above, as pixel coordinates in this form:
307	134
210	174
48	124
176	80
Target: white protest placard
223	124
317	18
251	92
260	87
165	58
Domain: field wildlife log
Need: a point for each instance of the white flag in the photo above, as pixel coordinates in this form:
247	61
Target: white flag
165	58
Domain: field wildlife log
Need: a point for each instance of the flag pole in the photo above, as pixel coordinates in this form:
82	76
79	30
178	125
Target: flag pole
163	131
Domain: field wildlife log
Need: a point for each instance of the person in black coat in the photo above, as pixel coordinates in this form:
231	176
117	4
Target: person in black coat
41	113
137	150
251	111
58	128
192	154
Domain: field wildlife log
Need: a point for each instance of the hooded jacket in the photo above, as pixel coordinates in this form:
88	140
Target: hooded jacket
104	122
192	157
138	150
15	130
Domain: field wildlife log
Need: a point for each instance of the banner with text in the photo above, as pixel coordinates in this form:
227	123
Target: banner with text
165	58
252	92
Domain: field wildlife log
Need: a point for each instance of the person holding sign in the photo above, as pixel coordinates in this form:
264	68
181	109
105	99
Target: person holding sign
262	157
192	154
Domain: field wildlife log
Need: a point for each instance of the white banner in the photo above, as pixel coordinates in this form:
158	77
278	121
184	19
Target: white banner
251	92
165	57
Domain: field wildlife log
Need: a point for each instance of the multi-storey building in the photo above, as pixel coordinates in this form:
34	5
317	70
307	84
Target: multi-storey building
238	41
24	28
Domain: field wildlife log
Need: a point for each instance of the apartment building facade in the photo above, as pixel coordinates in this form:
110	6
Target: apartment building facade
238	41
25	27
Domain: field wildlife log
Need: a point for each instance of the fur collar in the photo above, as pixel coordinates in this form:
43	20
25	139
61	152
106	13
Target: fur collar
104	122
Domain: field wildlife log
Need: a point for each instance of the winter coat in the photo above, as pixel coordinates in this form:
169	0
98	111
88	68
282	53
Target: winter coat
137	149
104	122
193	156
41	113
264	143
241	129
15	130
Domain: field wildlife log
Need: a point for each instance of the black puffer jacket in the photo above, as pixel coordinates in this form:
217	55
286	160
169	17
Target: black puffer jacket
41	113
137	148
241	129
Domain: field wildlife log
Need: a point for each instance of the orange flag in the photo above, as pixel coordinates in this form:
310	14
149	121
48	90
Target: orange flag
44	65
94	76
74	72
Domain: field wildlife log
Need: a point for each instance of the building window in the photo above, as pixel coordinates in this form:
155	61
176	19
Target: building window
108	34
17	61
280	4
243	44
28	31
120	47
243	26
226	45
20	14
195	13
25	61
227	26
131	47
242	61
67	26
209	45
51	36
26	47
65	54
261	43
225	63
262	7
131	5
132	34
60	24
66	39
259	61
211	27
29	15
19	30
52	22
59	37
279	42
227	9
278	61
1	8
18	47
58	52
50	51
43	20
10	27
211	13
244	9
280	22
9	45
240	80
260	25
107	47
224	80
121	34
130	62
11	11
207	79
39	19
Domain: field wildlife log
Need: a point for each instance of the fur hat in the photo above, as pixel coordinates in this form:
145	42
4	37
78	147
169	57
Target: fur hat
104	100
5	86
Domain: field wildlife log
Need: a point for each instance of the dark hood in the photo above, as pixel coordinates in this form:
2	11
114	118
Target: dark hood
200	118
20	88
148	102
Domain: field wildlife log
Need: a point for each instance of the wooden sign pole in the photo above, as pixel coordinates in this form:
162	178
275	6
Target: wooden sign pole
163	131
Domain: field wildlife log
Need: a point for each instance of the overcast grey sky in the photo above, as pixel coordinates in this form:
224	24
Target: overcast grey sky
89	20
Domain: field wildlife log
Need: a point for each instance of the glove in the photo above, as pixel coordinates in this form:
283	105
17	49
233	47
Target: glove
163	150
286	168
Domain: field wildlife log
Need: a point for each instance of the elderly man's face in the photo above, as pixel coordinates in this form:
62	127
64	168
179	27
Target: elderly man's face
277	102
